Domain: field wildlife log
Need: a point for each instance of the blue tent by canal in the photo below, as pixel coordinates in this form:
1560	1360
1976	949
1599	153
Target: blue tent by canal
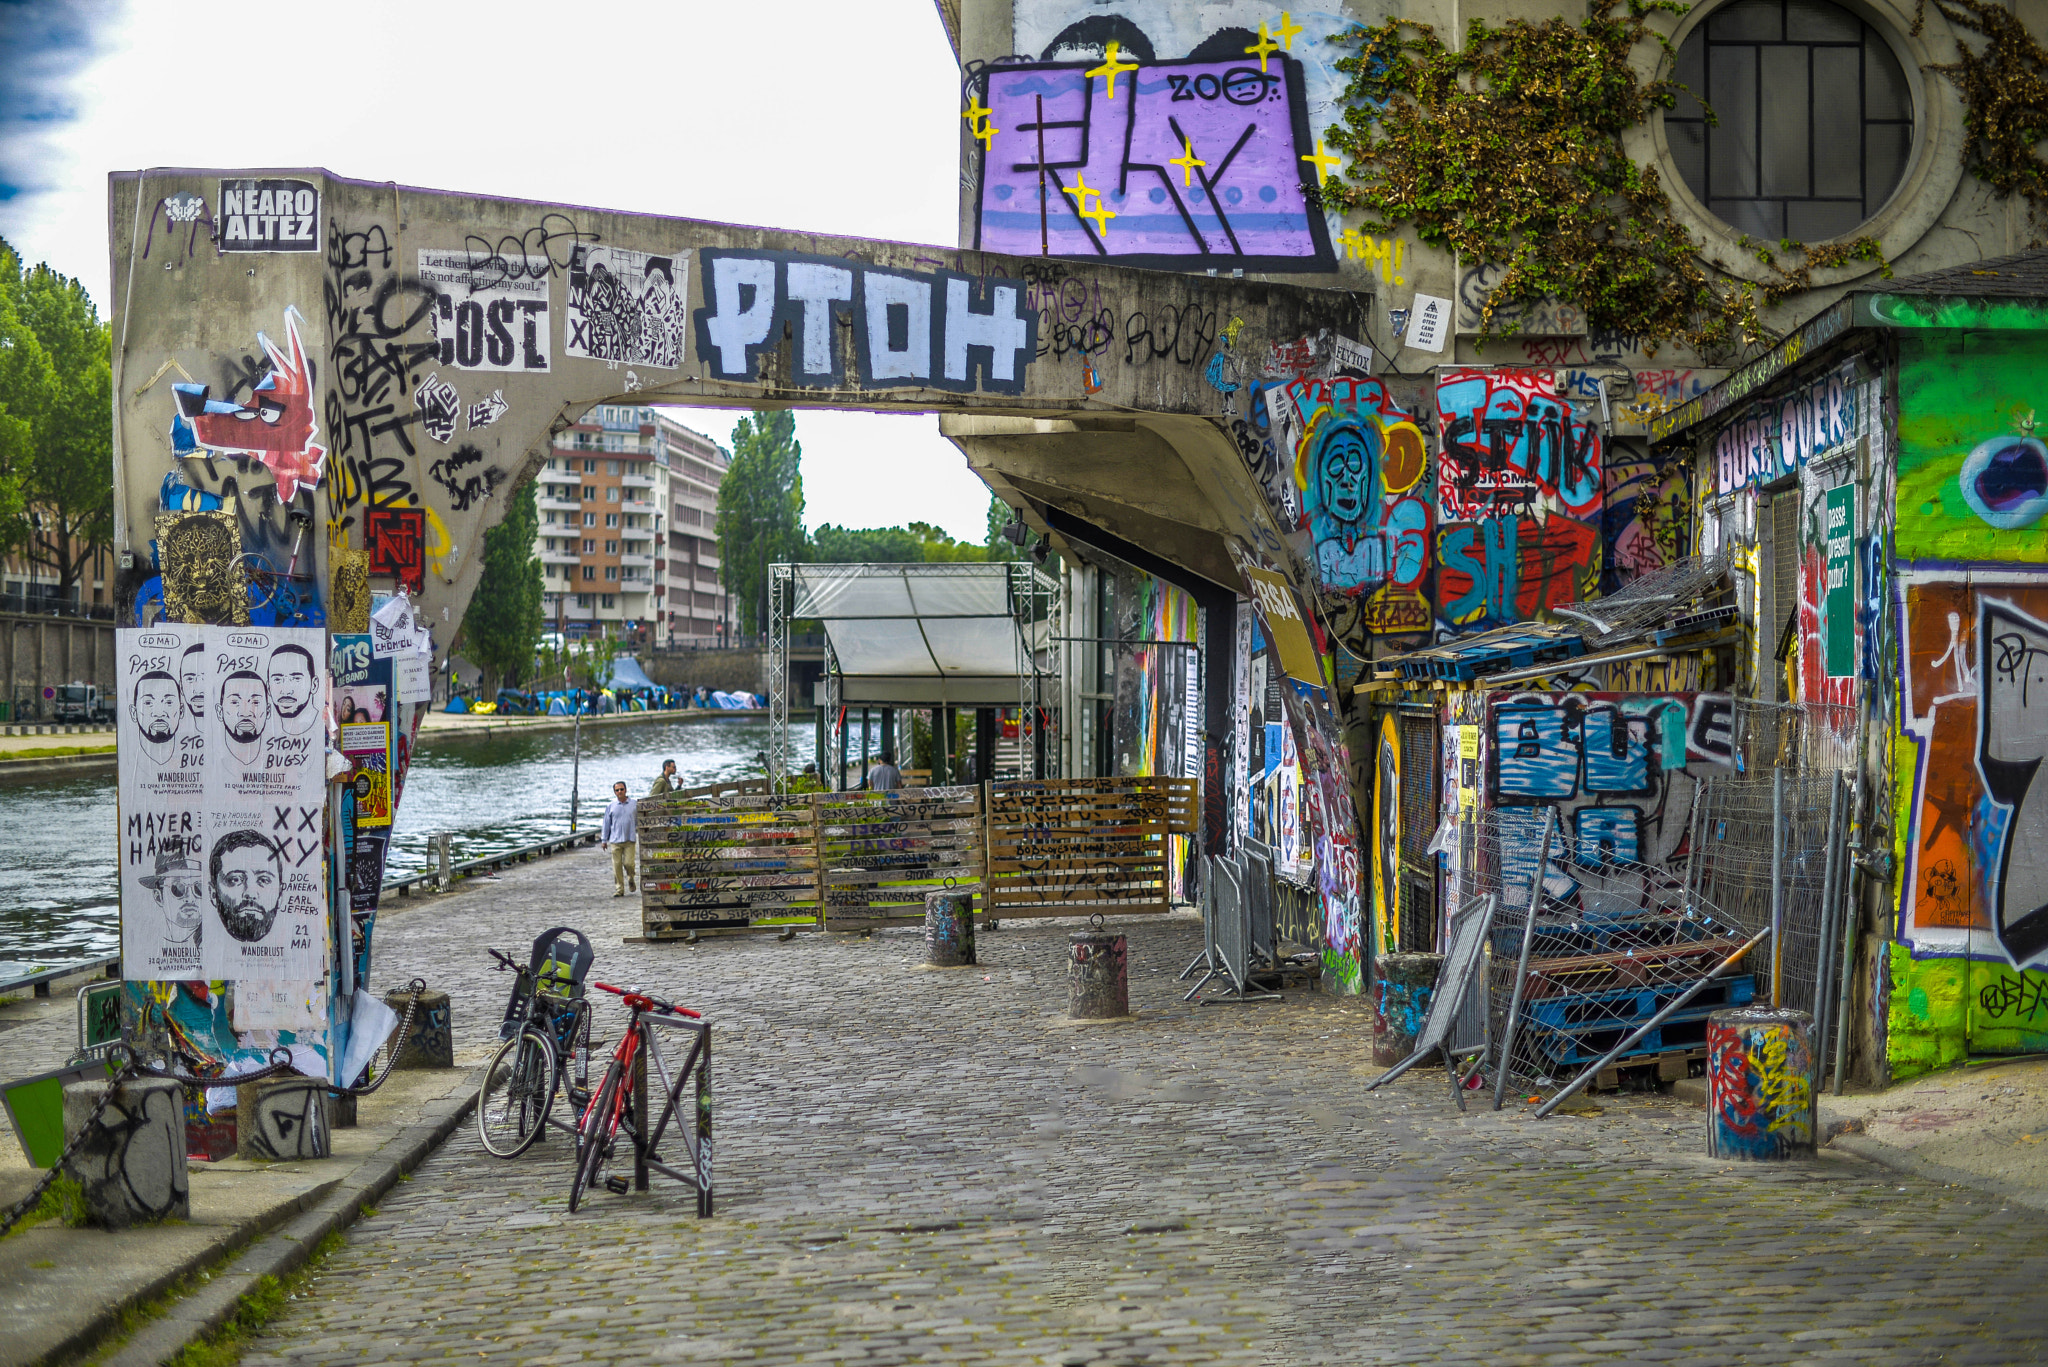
626	673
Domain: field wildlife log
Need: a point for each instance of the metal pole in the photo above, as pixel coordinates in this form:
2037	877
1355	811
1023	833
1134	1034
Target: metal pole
1507	1042
1777	885
1593	1068
575	765
1827	933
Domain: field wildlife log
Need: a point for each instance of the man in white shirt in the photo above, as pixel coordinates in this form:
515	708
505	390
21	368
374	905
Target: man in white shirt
621	837
885	776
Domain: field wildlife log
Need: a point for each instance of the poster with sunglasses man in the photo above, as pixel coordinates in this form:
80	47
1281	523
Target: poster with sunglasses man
160	749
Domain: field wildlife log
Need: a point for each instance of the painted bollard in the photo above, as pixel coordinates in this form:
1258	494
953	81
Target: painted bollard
284	1119
1098	976
1401	989
949	926
1759	1083
131	1160
431	1041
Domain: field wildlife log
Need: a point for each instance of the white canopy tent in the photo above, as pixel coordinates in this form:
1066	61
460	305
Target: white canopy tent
917	635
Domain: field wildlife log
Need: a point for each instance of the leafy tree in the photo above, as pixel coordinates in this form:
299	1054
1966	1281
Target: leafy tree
503	623
28	387
760	511
998	546
65	480
864	545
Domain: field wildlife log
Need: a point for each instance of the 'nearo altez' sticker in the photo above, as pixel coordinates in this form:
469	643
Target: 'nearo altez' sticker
269	216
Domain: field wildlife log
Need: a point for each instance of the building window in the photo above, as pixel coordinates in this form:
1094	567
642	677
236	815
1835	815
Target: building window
590	571
611	519
609	601
589	467
611	548
611	572
589	546
590	519
1815	119
611	493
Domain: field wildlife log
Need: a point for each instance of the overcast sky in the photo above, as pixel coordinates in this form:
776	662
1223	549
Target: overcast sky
807	114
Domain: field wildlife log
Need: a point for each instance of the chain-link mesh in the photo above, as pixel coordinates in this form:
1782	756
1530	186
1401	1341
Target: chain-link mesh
1612	942
1762	842
1812	737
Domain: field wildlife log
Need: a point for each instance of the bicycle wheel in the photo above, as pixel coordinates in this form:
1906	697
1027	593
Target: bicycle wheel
597	1134
512	1104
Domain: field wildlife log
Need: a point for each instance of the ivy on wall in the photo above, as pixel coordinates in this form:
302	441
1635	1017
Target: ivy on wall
1508	150
2005	100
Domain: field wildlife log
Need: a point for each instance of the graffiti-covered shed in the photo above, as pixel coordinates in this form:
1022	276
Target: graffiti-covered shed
1878	487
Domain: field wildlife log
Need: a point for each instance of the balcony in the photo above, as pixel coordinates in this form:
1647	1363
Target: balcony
558	558
635	505
638	562
559	505
637	481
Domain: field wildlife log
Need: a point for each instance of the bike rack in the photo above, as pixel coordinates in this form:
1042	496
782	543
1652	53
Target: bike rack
647	1140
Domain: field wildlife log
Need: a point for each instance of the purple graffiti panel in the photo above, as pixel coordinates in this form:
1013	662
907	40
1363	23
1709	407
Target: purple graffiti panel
1189	164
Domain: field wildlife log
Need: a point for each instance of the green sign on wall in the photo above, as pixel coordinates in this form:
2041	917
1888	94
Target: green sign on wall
1838	607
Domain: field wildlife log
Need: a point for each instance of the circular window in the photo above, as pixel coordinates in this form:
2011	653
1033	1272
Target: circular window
1814	119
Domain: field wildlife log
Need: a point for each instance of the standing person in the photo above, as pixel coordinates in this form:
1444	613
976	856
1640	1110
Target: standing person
667	782
885	775
621	837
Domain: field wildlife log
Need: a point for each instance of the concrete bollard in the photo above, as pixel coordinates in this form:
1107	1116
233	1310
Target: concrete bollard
282	1119
1759	1083
431	1044
1098	976
949	926
1401	989
444	876
131	1164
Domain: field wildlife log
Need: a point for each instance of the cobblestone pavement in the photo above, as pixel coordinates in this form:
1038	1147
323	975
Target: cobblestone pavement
922	1165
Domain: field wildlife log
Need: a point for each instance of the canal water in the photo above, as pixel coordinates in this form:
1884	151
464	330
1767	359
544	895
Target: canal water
59	900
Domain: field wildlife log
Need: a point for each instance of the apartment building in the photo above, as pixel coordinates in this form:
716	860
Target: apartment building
612	495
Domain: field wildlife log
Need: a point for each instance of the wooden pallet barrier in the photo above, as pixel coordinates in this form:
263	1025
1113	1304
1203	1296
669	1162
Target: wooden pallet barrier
879	853
1071	847
726	862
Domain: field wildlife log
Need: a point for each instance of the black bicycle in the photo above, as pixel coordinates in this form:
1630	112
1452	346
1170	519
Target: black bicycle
547	1043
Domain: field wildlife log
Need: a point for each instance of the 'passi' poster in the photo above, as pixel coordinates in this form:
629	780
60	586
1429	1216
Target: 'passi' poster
264	795
160	741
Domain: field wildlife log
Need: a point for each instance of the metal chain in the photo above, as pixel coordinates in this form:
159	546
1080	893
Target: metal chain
35	1195
131	1067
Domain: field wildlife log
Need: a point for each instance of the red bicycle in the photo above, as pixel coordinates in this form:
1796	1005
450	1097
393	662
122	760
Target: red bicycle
621	1103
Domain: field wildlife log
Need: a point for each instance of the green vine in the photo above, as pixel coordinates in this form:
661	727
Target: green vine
2005	100
1508	150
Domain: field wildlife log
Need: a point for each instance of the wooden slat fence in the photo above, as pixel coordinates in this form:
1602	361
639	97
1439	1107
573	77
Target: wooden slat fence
880	852
734	860
1071	847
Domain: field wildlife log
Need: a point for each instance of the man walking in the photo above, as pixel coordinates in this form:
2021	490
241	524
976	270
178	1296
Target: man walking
667	782
885	776
622	838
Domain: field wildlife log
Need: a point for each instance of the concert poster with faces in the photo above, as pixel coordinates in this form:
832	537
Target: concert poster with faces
219	754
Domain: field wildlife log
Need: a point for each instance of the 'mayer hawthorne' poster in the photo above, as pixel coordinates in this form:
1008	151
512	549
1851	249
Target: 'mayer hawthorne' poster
220	754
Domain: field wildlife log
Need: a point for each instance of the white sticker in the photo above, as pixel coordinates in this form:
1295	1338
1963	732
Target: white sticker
489	313
1347	355
1429	326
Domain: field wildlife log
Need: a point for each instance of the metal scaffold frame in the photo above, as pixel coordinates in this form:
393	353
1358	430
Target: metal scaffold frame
932	665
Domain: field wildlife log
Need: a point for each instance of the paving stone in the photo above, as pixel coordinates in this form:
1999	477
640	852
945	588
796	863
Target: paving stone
922	1168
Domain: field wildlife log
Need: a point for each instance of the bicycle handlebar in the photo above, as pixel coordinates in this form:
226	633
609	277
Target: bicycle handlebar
504	960
640	1001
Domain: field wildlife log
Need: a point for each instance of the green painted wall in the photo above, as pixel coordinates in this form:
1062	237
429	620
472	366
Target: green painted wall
1957	390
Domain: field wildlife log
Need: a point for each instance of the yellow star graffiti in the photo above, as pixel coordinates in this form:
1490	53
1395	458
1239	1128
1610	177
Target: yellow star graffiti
978	121
1265	47
1322	161
1286	30
1110	67
1082	192
1187	161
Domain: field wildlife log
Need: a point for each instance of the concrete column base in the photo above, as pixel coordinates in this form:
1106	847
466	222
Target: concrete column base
131	1163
